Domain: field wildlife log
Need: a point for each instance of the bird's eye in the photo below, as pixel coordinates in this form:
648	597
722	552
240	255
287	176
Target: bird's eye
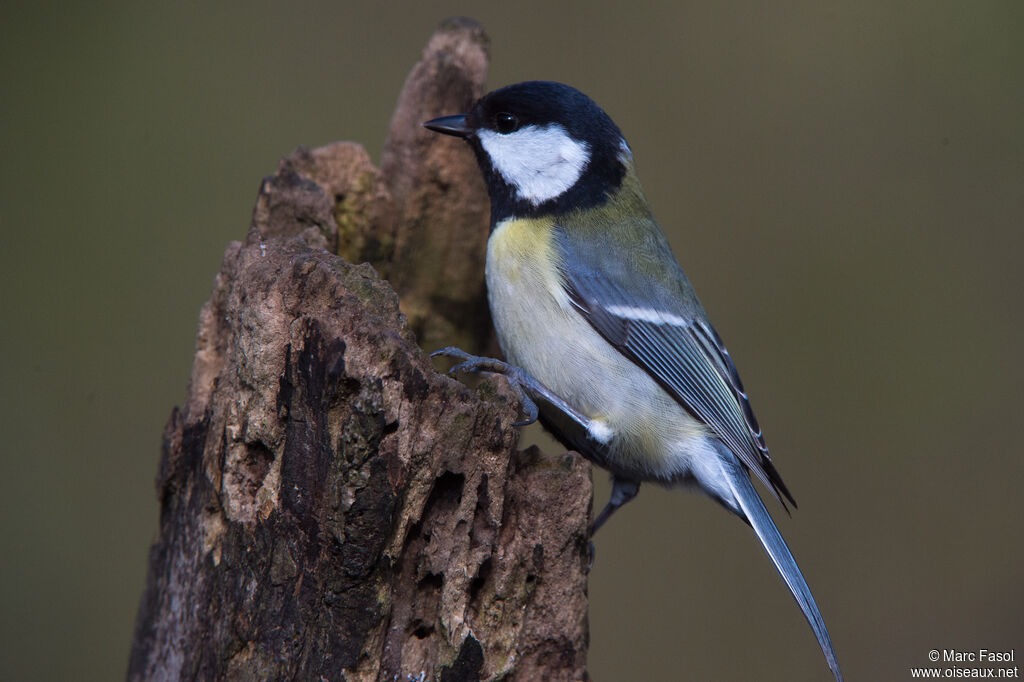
505	122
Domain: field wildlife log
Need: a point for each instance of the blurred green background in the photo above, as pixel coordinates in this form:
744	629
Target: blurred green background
844	183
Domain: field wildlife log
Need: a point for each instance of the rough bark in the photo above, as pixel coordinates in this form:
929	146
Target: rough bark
331	506
439	197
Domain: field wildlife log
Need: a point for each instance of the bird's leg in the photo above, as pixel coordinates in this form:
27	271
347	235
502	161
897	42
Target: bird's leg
527	388
623	490
531	391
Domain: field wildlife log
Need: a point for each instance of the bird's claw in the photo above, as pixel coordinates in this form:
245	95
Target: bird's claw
526	403
451	352
517	378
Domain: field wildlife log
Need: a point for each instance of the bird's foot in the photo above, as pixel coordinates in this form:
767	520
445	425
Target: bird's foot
520	381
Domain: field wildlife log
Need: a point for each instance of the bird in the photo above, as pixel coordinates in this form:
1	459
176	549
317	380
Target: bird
604	338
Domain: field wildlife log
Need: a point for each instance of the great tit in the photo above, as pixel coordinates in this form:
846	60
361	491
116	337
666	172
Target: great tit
602	332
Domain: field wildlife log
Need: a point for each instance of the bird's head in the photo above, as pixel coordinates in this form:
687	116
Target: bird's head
544	148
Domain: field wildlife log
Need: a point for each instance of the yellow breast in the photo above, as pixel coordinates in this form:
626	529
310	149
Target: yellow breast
540	331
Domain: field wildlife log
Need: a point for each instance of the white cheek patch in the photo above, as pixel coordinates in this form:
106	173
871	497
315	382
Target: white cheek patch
540	162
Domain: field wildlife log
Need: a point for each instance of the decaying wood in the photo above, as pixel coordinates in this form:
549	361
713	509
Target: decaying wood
441	239
331	506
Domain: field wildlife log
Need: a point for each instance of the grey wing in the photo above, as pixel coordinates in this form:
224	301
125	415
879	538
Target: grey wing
685	355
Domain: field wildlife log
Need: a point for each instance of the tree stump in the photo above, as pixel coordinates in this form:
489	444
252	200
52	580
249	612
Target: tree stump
331	506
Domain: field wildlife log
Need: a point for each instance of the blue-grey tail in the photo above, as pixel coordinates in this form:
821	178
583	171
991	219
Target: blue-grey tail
753	509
